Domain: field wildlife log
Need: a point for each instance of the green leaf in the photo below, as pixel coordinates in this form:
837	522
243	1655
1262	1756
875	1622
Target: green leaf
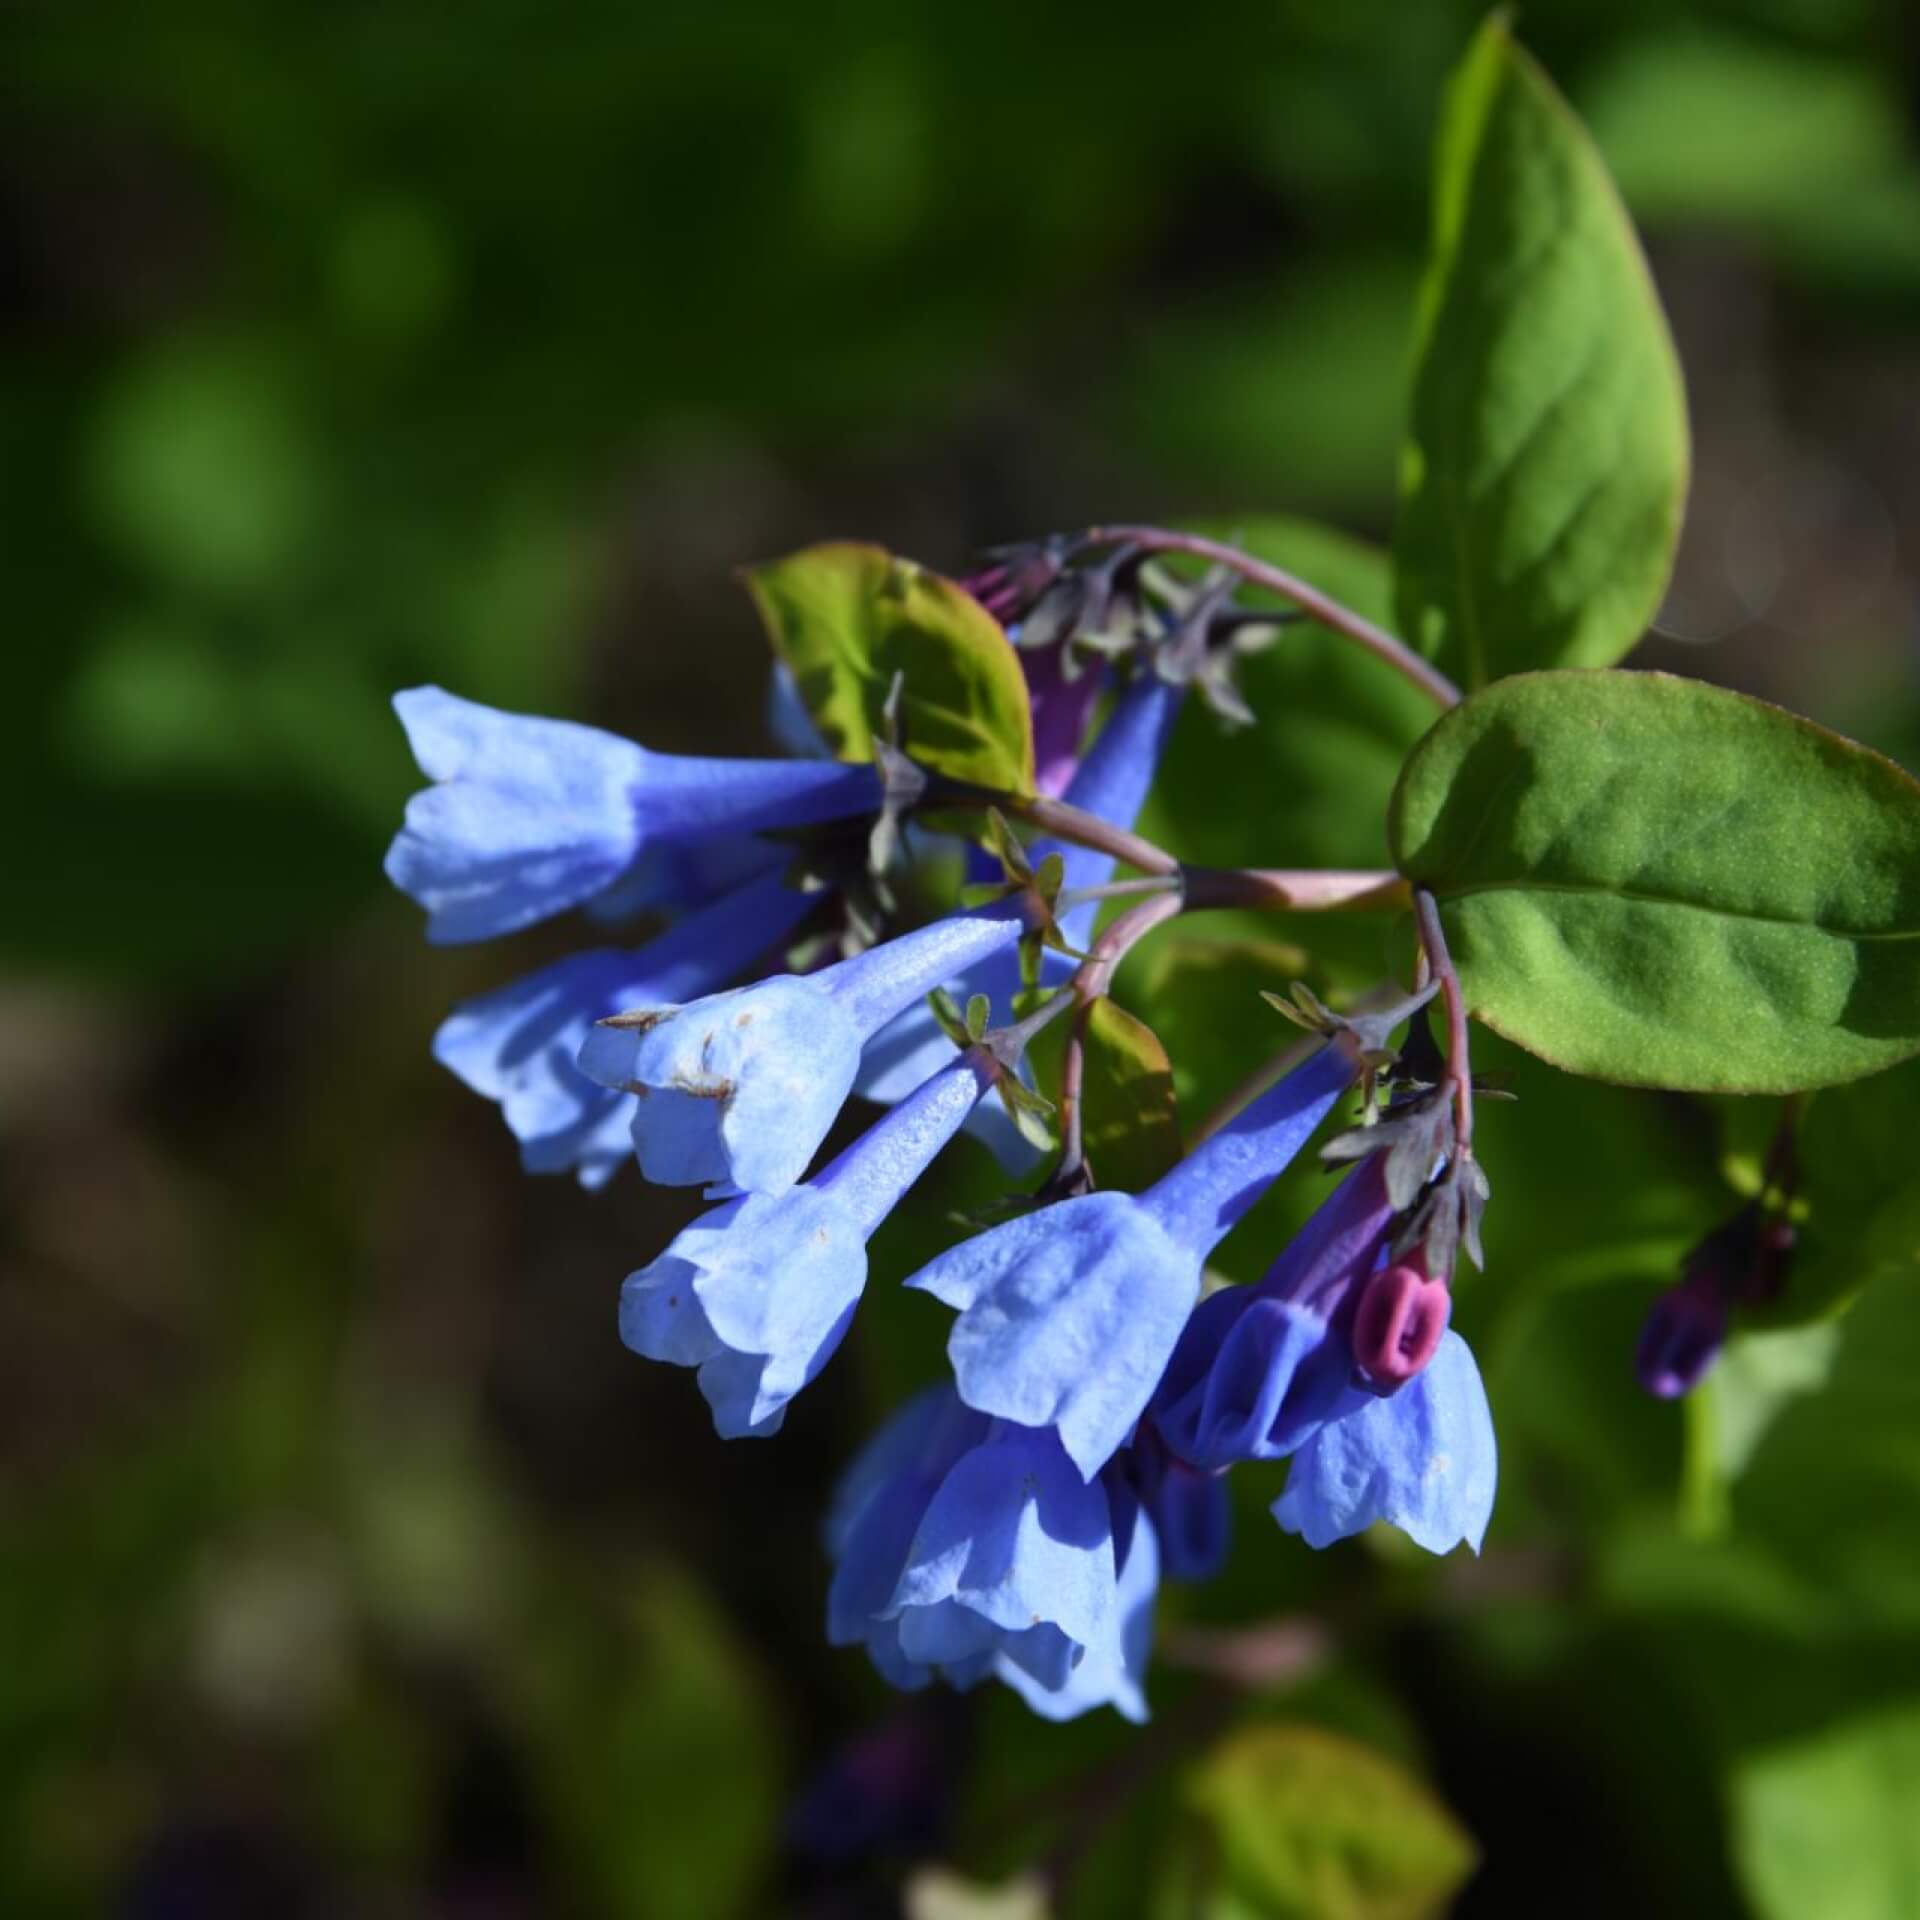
1545	469
1824	1825
846	618
1855	1153
1661	883
1205	995
1834	1463
1313	1826
1131	1127
651	1755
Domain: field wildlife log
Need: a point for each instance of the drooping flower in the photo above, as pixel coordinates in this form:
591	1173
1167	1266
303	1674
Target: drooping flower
1744	1261
1068	1315
1422	1459
1111	782
520	1044
738	1089
1259	1368
758	1293
1685	1329
966	1547
528	817
1340	1360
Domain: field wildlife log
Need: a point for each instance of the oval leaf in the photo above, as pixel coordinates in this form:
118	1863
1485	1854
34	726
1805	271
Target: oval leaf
1661	883
1545	468
1310	1822
845	618
1824	1824
1131	1124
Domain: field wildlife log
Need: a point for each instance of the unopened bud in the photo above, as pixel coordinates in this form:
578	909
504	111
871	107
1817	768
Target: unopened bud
1681	1340
1398	1325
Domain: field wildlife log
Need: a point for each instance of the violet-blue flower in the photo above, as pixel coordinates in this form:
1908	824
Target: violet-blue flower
520	1044
1422	1459
1259	1368
758	1292
1068	1315
1112	783
738	1089
528	817
967	1547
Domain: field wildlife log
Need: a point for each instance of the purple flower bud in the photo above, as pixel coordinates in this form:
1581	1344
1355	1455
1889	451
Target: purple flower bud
1062	706
1681	1339
1398	1324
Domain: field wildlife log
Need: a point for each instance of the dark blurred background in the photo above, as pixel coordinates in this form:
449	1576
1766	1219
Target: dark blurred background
349	1563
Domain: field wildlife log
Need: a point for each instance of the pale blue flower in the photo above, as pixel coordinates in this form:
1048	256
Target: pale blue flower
758	1293
528	817
1422	1459
520	1044
1069	1315
739	1089
967	1548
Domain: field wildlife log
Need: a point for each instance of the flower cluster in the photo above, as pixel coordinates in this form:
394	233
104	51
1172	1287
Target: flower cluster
1014	1522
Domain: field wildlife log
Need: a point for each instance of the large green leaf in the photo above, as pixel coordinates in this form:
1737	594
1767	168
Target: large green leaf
1310	1825
846	618
1545	468
1661	883
1825	1825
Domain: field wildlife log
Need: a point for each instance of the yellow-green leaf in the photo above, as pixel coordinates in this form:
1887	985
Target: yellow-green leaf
846	618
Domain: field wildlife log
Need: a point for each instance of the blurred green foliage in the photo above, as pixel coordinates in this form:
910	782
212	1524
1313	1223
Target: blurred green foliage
350	1566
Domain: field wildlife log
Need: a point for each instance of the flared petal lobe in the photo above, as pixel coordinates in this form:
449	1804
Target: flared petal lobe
1067	1317
1423	1460
520	1045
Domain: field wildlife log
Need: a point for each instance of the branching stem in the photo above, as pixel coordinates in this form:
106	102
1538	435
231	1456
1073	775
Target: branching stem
1328	611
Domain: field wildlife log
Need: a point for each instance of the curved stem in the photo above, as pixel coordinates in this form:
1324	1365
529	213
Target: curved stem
1301	890
1329	612
1057	819
1090	982
1433	944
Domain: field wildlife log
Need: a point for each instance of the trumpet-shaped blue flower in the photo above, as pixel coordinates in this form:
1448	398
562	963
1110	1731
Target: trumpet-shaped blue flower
1068	1315
1111	782
1113	1671
1258	1369
758	1293
738	1089
528	817
520	1044
968	1547
1422	1459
